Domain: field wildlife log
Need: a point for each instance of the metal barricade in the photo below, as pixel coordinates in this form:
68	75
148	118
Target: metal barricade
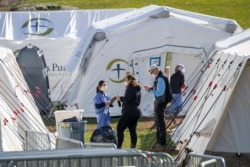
66	143
37	141
99	145
73	130
101	157
198	159
159	159
209	163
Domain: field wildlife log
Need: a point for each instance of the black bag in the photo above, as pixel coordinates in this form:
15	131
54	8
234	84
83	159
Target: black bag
104	134
72	119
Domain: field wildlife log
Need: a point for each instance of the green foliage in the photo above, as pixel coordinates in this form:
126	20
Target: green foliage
146	137
236	10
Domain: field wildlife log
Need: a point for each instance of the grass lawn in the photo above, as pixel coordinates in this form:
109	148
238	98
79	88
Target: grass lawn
237	10
146	135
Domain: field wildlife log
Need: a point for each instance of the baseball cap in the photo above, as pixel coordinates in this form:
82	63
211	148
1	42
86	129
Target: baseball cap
152	67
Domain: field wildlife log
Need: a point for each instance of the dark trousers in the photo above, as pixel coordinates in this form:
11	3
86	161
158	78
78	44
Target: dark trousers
160	123
130	123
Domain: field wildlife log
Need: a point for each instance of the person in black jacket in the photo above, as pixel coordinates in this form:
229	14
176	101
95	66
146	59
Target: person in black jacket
177	83
130	110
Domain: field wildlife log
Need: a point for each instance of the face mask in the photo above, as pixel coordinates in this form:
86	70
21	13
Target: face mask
153	75
104	88
125	83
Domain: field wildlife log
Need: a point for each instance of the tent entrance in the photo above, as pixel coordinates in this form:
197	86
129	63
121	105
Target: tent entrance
33	66
168	56
164	57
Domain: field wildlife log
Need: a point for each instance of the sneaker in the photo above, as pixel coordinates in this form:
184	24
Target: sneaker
171	130
159	146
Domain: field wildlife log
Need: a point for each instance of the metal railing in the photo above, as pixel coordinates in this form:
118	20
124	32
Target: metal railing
198	159
159	159
67	143
37	141
97	157
101	157
209	163
99	145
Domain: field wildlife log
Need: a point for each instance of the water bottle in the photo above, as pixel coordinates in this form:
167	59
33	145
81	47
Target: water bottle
119	103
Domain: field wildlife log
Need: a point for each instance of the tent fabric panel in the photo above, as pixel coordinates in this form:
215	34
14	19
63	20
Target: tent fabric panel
33	66
233	135
237	39
30	57
213	94
233	159
231	112
17	105
35	25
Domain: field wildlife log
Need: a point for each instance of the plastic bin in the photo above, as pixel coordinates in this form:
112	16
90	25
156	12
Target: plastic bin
72	130
64	114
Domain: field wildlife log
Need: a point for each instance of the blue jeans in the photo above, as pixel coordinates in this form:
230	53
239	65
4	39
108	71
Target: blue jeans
176	103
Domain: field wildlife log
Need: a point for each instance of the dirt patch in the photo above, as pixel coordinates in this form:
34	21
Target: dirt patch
143	124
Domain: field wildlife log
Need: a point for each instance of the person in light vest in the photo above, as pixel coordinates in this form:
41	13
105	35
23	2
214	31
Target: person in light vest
162	93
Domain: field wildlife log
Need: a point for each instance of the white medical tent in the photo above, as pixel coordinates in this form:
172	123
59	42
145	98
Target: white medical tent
19	112
132	41
217	121
55	34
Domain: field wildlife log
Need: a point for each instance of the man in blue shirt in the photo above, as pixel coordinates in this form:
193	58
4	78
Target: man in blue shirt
162	93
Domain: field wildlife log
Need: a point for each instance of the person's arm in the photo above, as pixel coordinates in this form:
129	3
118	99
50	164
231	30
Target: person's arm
129	96
160	87
100	105
99	101
182	80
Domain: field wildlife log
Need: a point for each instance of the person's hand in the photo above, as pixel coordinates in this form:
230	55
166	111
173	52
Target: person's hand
108	103
146	87
118	97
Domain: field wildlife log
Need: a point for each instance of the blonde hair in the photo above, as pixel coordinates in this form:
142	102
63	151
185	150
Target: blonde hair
131	80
